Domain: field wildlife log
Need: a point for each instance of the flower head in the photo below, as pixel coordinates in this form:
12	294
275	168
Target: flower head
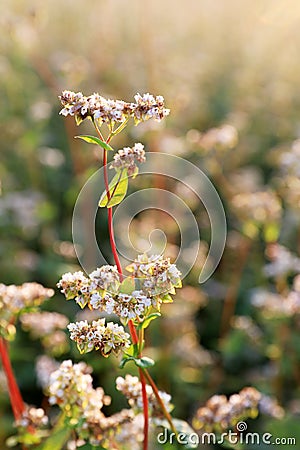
97	335
15	300
43	323
111	111
127	157
71	387
222	412
33	417
147	107
157	275
106	278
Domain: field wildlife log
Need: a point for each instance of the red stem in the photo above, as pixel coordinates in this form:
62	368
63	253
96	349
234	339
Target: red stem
133	333
110	218
112	242
146	410
15	396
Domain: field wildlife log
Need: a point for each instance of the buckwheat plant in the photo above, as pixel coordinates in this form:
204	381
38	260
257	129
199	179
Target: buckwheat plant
136	298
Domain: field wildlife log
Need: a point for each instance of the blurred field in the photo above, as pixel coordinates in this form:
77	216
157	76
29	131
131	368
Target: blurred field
216	63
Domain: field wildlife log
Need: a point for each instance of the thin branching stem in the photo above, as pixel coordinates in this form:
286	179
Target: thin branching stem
132	329
159	400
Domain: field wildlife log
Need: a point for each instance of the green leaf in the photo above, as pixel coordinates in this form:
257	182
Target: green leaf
127	286
117	188
94	140
133	350
148	319
144	362
167	299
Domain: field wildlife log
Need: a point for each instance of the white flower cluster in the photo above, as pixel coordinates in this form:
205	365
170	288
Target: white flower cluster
275	305
74	285
77	285
283	262
223	138
105	431
110	111
131	434
132	305
259	207
149	107
106	278
15	299
270	407
102	289
71	386
131	387
126	158
222	412
248	326
126	306
97	335
156	274
42	323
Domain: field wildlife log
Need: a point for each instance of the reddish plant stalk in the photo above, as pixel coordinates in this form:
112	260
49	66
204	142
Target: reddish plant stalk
110	218
132	329
15	396
159	400
112	242
146	410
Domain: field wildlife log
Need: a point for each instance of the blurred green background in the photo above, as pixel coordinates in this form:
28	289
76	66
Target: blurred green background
216	63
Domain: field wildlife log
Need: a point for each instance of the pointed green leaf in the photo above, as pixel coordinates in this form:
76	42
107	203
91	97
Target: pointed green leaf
117	188
148	319
143	362
127	285
125	360
133	350
94	140
167	299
